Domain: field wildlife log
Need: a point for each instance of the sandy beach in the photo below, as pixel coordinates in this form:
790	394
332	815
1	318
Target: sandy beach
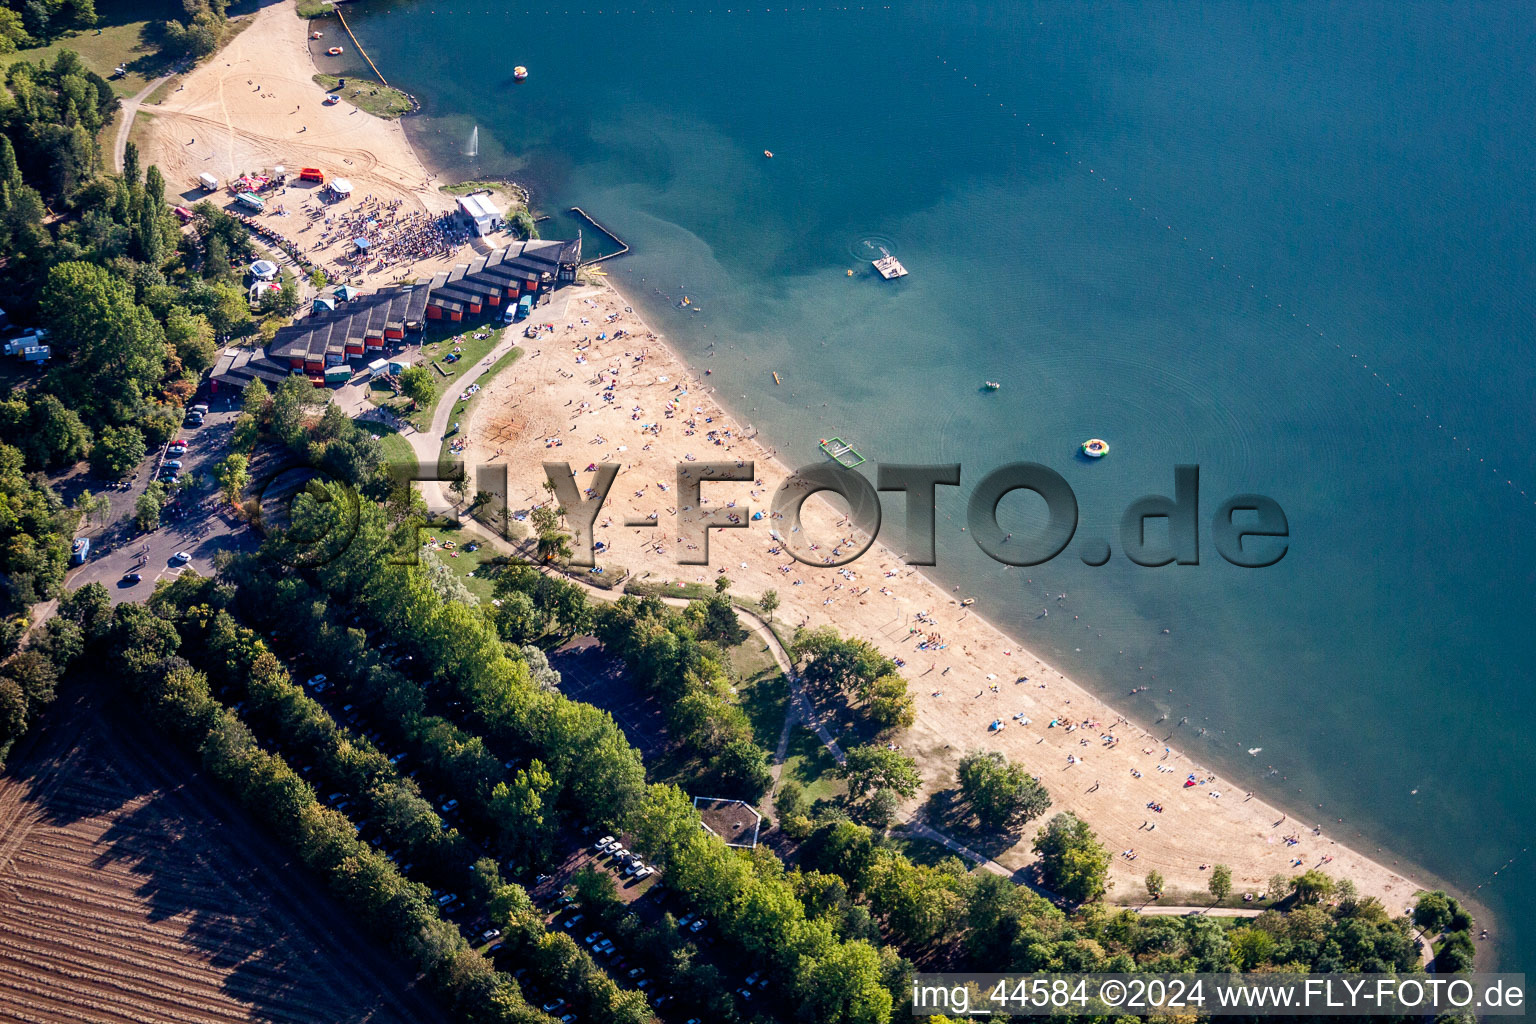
601	387
255	106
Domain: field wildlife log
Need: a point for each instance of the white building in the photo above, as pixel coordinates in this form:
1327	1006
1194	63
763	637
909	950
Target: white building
481	213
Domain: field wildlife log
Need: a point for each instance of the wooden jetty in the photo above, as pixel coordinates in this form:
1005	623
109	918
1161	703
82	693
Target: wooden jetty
888	266
623	245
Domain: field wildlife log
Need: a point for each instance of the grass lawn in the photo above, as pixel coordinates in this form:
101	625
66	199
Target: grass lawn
656	587
368	96
922	851
462	406
397	450
126	34
760	689
483	582
808	763
440	343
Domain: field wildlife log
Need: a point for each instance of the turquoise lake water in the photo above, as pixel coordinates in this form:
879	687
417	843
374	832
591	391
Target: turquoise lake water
1294	246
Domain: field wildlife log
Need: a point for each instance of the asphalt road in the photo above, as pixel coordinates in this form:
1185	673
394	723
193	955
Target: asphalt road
200	533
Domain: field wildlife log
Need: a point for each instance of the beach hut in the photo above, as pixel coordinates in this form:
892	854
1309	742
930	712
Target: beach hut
378	368
263	270
323	304
338	374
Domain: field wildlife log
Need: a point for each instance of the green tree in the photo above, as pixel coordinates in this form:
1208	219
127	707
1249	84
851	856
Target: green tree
1220	884
416	384
117	452
93	508
1154	884
872	767
769	603
233	474
553	547
1312	887
890	705
147	509
1072	860
1433	911
190	336
1002	794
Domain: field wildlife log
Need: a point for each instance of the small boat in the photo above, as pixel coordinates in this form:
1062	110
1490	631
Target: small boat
967	602
768	153
991	385
334	51
776	377
314	35
519	74
331	99
1095	449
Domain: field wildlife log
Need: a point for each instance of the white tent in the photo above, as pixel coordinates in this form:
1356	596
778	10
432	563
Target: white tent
264	269
341	186
481	212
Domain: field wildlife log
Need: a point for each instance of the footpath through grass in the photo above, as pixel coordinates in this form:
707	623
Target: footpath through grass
462	406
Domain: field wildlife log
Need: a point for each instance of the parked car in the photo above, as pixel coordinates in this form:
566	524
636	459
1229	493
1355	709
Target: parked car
132	578
602	844
700	923
572	921
180	558
450	806
316	681
489	934
553	1005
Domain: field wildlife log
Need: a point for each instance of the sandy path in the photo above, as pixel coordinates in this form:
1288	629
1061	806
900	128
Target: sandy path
561	391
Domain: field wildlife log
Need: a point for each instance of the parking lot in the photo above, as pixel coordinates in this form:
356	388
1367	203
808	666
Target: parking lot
193	525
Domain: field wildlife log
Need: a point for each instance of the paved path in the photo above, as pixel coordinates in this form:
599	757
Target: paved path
1158	910
130	110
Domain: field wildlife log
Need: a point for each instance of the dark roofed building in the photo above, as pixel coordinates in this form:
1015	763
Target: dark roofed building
361	326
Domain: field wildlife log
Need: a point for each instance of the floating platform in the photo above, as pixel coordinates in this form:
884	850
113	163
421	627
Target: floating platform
889	267
841	452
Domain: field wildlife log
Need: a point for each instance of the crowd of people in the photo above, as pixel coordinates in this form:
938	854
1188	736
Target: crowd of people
393	237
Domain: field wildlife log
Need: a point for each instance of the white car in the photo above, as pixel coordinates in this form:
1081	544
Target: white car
602	844
180	558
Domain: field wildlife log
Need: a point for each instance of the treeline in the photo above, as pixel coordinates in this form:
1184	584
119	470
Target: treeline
594	774
26	23
407	826
177	698
679	655
28	678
